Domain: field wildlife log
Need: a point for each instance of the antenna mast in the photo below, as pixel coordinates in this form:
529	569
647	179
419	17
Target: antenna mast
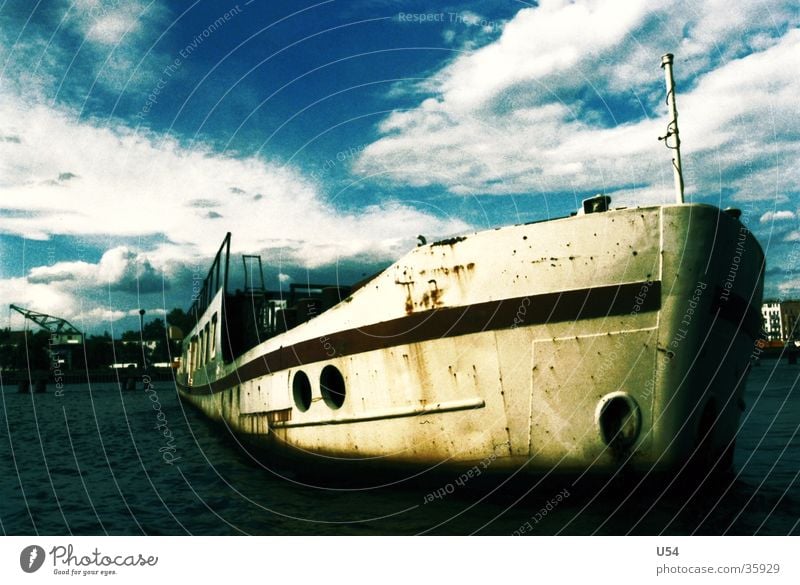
672	127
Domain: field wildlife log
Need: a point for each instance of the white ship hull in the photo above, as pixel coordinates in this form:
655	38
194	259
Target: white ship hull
590	342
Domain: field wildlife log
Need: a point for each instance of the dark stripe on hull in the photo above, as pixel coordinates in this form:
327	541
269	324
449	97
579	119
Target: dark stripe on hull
736	310
588	303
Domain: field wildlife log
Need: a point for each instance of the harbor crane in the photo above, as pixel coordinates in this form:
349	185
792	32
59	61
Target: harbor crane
62	332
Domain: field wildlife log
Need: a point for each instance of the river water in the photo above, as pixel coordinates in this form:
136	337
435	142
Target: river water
96	461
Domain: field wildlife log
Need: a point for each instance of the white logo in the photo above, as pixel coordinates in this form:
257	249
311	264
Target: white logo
31	558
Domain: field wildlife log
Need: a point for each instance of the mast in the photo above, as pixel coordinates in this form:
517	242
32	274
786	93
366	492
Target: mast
672	127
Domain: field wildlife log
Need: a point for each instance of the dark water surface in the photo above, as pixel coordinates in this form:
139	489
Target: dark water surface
88	462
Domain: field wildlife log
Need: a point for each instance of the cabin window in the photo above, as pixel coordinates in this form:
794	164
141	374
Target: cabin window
207	348
213	336
201	350
193	354
301	391
332	387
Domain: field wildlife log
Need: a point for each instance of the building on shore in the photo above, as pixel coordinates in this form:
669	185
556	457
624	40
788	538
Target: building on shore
781	320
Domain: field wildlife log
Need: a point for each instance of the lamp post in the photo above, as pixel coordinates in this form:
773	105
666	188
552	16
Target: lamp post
141	337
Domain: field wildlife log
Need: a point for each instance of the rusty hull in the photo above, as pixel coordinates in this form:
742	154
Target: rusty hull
505	343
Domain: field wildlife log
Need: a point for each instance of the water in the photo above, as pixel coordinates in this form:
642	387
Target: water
88	463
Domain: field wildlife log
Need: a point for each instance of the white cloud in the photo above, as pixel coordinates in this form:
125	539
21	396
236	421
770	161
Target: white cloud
99	314
106	315
107	23
120	34
469	30
790	288
110	28
63	271
130	184
521	115
72	290
773	216
538	42
39	297
120	269
76	47
87	180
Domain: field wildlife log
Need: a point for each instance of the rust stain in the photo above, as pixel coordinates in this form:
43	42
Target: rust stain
409	299
432	298
436	295
449	241
282	415
457	269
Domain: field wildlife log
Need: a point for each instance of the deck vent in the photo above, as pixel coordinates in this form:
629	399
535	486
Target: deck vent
596	204
331	384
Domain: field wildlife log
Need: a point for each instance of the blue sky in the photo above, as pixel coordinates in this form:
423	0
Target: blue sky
327	135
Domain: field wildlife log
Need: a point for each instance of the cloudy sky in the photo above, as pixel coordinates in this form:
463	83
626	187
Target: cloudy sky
327	135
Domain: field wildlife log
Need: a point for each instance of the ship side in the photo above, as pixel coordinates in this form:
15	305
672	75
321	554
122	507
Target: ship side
605	339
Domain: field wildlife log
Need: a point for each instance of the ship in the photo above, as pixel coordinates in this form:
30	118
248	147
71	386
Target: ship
615	337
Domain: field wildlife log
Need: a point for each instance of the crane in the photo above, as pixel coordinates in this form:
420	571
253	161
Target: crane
62	331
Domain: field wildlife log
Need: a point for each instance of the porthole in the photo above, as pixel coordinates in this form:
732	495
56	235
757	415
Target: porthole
618	419
332	387
301	391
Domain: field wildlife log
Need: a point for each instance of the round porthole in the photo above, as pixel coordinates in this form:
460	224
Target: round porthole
301	391
332	387
618	419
